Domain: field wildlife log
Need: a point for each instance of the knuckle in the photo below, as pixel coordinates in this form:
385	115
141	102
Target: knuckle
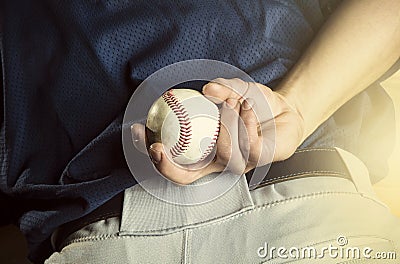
237	80
238	168
224	154
219	81
251	122
253	140
250	118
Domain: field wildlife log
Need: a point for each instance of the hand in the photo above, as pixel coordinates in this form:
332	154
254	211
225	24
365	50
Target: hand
246	137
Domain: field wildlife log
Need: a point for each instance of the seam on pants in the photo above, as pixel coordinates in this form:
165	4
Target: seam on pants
243	200
175	229
308	196
279	202
314	149
221	220
242	197
91	238
187	234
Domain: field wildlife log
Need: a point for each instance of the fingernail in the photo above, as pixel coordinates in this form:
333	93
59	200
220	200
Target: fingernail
135	134
247	104
135	138
231	103
155	155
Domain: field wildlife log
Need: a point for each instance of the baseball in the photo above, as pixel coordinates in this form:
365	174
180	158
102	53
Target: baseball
186	123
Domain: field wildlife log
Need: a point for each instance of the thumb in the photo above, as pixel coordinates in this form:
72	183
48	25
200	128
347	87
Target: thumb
139	137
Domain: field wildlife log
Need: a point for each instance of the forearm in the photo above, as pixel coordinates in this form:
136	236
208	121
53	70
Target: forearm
358	43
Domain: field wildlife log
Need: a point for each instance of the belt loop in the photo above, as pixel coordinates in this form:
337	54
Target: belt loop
359	174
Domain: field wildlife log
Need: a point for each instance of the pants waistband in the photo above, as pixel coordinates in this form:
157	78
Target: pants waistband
304	163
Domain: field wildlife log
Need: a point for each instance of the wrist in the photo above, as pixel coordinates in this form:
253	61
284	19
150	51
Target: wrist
292	117
311	93
293	105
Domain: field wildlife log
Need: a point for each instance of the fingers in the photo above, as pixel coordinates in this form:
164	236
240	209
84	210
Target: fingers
168	168
254	100
262	97
220	89
139	137
165	166
249	136
242	140
228	149
267	143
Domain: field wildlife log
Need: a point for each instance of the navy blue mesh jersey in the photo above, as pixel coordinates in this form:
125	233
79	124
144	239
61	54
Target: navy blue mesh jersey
70	67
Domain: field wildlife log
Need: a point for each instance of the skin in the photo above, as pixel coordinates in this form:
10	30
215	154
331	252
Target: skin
357	44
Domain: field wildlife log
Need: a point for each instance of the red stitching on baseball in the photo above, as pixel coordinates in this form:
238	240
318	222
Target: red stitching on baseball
185	128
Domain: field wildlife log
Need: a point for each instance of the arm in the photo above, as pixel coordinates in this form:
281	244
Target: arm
358	43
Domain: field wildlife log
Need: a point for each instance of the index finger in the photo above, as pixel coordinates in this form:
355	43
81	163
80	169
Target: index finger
176	173
220	89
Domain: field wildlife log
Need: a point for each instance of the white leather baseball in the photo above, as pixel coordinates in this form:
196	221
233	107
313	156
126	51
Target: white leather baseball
186	123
